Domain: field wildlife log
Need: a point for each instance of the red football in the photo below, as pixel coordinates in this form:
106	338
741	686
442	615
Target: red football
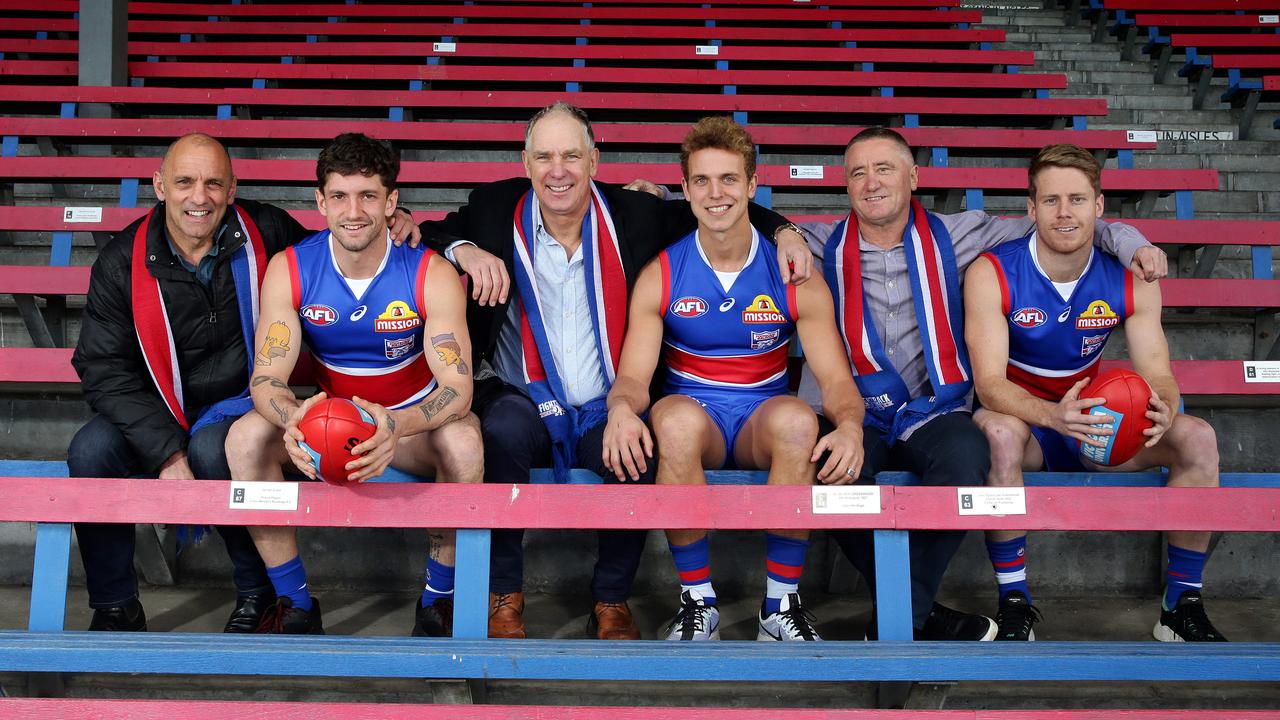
1127	395
329	430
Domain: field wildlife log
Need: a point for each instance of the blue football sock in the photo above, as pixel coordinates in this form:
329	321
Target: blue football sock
438	583
290	580
1009	560
693	565
1183	574
784	562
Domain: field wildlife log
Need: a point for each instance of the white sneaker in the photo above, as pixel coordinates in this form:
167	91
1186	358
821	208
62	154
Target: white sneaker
791	622
696	620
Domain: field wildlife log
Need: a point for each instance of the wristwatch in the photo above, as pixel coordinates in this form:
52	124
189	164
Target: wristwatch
787	226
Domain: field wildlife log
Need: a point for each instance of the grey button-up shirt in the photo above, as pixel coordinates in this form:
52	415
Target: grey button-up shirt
887	286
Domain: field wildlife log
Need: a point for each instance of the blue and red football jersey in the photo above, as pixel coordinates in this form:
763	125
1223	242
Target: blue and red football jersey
372	345
718	340
1054	343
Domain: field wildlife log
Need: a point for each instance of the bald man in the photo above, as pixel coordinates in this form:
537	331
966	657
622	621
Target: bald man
180	283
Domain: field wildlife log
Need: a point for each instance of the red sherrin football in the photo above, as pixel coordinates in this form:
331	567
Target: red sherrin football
330	429
1127	395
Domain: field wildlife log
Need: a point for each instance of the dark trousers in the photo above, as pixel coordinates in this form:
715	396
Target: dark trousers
515	440
948	450
99	449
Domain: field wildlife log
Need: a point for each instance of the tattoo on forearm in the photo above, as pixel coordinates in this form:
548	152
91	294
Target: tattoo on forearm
284	414
259	379
391	423
275	345
450	351
432	407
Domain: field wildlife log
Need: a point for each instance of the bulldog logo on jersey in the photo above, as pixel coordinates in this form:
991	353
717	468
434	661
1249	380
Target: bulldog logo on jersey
399	347
763	310
1092	344
397	318
762	340
319	315
689	306
1098	316
1029	317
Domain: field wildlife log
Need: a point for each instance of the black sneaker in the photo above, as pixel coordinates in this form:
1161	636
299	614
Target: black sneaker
285	619
1187	622
434	620
945	623
247	614
1015	617
124	618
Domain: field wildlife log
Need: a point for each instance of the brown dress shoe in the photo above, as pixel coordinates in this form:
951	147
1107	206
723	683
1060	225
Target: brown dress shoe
506	615
612	621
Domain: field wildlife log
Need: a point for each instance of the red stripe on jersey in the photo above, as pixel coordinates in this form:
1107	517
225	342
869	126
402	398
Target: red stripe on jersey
735	370
1048	388
1129	308
295	278
388	390
789	572
793	307
1006	305
664	264
420	284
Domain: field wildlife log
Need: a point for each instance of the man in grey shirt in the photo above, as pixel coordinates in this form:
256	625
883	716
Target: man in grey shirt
907	349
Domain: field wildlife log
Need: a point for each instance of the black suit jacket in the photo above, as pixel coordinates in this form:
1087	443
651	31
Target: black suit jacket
645	225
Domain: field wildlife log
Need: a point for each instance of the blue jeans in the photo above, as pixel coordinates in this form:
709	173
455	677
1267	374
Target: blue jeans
947	450
99	449
515	440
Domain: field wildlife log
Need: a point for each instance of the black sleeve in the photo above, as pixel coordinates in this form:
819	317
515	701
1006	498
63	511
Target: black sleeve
765	220
112	373
279	229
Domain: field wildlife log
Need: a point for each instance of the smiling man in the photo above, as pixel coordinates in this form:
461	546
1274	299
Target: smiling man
1039	312
179	285
895	271
371	308
715	309
547	358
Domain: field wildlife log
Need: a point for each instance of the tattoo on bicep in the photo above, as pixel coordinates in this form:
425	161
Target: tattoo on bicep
450	351
284	414
432	407
259	379
275	345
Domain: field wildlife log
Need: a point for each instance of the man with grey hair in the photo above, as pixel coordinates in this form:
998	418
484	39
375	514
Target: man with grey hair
164	360
573	247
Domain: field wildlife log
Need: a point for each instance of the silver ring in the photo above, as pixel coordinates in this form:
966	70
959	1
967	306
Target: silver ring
849	472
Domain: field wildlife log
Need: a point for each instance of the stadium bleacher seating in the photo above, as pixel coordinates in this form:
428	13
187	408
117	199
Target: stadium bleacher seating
464	77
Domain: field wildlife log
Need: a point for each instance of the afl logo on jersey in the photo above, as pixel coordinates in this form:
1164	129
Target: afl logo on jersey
689	307
1098	316
397	318
319	315
763	310
1029	317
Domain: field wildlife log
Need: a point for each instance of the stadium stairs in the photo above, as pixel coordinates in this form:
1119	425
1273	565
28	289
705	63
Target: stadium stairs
1094	585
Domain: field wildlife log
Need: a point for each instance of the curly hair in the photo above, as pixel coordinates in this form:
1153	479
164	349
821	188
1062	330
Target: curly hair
355	153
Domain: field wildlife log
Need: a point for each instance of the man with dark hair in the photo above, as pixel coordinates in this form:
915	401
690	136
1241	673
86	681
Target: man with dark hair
164	360
1039	311
370	308
895	272
718	313
574	247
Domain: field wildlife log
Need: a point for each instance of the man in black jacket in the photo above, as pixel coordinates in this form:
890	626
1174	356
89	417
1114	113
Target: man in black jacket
164	360
573	247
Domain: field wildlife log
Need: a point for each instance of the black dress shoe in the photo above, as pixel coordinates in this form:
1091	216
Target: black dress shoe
434	620
248	612
124	618
282	618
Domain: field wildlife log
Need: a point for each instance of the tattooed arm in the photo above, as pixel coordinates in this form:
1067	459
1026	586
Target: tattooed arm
278	341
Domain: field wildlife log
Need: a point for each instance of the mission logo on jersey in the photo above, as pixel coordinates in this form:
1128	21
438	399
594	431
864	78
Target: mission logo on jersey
319	315
689	306
763	310
397	318
1098	316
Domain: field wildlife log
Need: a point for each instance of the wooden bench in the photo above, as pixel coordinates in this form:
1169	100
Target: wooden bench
32	708
1162	48
446	31
1139	187
55	503
298	50
441	77
633	106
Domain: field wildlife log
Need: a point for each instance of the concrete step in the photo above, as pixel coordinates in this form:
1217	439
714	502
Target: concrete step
1094	89
1130	101
1100	75
1085	55
1060	36
1268	182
